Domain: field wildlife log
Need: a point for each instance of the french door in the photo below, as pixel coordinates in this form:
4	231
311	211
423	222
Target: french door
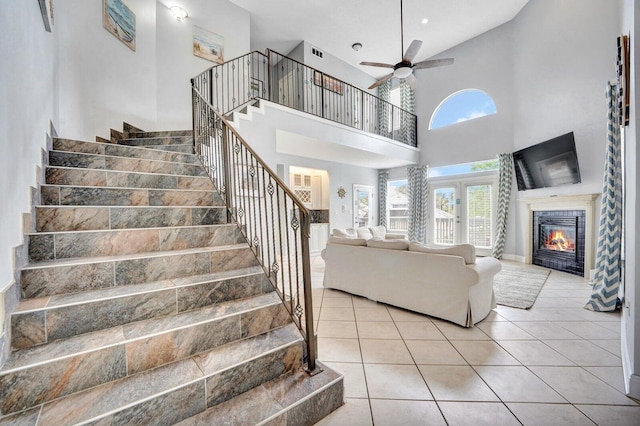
463	212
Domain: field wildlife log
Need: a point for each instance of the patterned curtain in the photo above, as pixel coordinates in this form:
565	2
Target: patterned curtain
418	198
504	195
407	103
383	178
606	283
384	93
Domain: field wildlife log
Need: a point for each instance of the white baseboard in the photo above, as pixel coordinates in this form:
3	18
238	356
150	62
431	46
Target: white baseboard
631	381
513	257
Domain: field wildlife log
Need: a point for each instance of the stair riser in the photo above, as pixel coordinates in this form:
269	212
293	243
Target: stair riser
161	134
51	323
86	196
48	281
69	145
29	387
82	177
166	140
101	162
230	383
36	385
52	219
120	242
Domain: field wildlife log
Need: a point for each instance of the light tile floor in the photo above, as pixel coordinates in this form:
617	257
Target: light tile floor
555	364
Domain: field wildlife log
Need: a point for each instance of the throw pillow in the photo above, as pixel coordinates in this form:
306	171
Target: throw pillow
466	251
364	233
347	241
388	244
378	231
345	233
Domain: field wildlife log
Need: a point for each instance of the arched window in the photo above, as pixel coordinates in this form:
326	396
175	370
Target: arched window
462	106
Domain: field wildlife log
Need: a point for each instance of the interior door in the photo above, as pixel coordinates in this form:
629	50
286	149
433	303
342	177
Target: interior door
362	206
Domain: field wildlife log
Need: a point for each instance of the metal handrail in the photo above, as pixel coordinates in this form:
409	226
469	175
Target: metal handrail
285	81
307	89
274	222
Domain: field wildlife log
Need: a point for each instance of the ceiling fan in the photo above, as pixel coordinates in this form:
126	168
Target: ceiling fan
404	68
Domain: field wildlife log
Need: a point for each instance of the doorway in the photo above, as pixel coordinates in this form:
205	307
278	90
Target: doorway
363	206
463	212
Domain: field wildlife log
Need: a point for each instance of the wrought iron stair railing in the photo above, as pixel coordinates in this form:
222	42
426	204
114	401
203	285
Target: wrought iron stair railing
273	220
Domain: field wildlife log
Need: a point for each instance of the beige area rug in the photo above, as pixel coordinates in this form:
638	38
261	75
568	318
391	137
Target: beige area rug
519	286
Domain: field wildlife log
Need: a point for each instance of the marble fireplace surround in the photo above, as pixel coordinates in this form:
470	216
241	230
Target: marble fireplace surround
586	202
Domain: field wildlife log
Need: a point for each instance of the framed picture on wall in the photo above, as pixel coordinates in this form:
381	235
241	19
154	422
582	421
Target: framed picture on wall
256	87
329	83
208	45
120	21
46	9
623	78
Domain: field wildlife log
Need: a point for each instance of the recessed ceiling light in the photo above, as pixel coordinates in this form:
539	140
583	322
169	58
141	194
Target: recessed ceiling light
356	46
424	20
179	13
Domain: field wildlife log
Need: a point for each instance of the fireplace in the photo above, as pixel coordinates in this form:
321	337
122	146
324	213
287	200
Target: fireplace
558	240
573	250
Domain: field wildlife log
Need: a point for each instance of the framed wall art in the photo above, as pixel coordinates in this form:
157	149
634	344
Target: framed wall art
208	45
329	83
120	21
623	78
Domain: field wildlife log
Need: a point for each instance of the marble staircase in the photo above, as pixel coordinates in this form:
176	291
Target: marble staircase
141	305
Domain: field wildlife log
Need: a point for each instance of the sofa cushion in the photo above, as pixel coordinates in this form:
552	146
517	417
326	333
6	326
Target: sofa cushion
388	244
378	231
347	241
466	251
364	233
345	233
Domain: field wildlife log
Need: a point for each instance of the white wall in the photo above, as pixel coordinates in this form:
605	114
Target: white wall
546	80
630	313
28	102
484	63
176	63
103	83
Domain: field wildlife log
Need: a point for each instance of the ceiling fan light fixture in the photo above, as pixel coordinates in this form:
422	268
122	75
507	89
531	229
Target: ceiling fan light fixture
402	72
179	13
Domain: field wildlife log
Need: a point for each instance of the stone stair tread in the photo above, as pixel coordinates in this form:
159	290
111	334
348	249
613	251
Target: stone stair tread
134	172
65	348
157	140
265	404
125	151
160	133
103	400
54	218
85	161
117	188
98	259
152	228
89	296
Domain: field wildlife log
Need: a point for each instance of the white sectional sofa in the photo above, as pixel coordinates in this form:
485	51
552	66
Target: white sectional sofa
448	283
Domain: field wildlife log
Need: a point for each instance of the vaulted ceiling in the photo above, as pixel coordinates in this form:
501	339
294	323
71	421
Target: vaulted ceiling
335	25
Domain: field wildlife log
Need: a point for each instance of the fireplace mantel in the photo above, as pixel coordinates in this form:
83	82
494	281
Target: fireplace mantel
586	202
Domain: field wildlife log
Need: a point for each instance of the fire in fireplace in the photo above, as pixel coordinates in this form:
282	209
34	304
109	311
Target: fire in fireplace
558	240
558	237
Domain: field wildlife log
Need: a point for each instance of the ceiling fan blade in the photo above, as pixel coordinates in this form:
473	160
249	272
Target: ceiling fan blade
382	80
411	80
412	50
433	63
377	64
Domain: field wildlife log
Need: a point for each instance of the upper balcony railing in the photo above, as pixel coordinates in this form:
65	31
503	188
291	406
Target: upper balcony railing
285	81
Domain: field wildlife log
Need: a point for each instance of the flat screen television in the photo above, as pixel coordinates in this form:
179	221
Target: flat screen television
547	164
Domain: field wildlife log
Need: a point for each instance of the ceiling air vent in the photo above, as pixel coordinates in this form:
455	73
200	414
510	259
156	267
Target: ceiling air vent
317	52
